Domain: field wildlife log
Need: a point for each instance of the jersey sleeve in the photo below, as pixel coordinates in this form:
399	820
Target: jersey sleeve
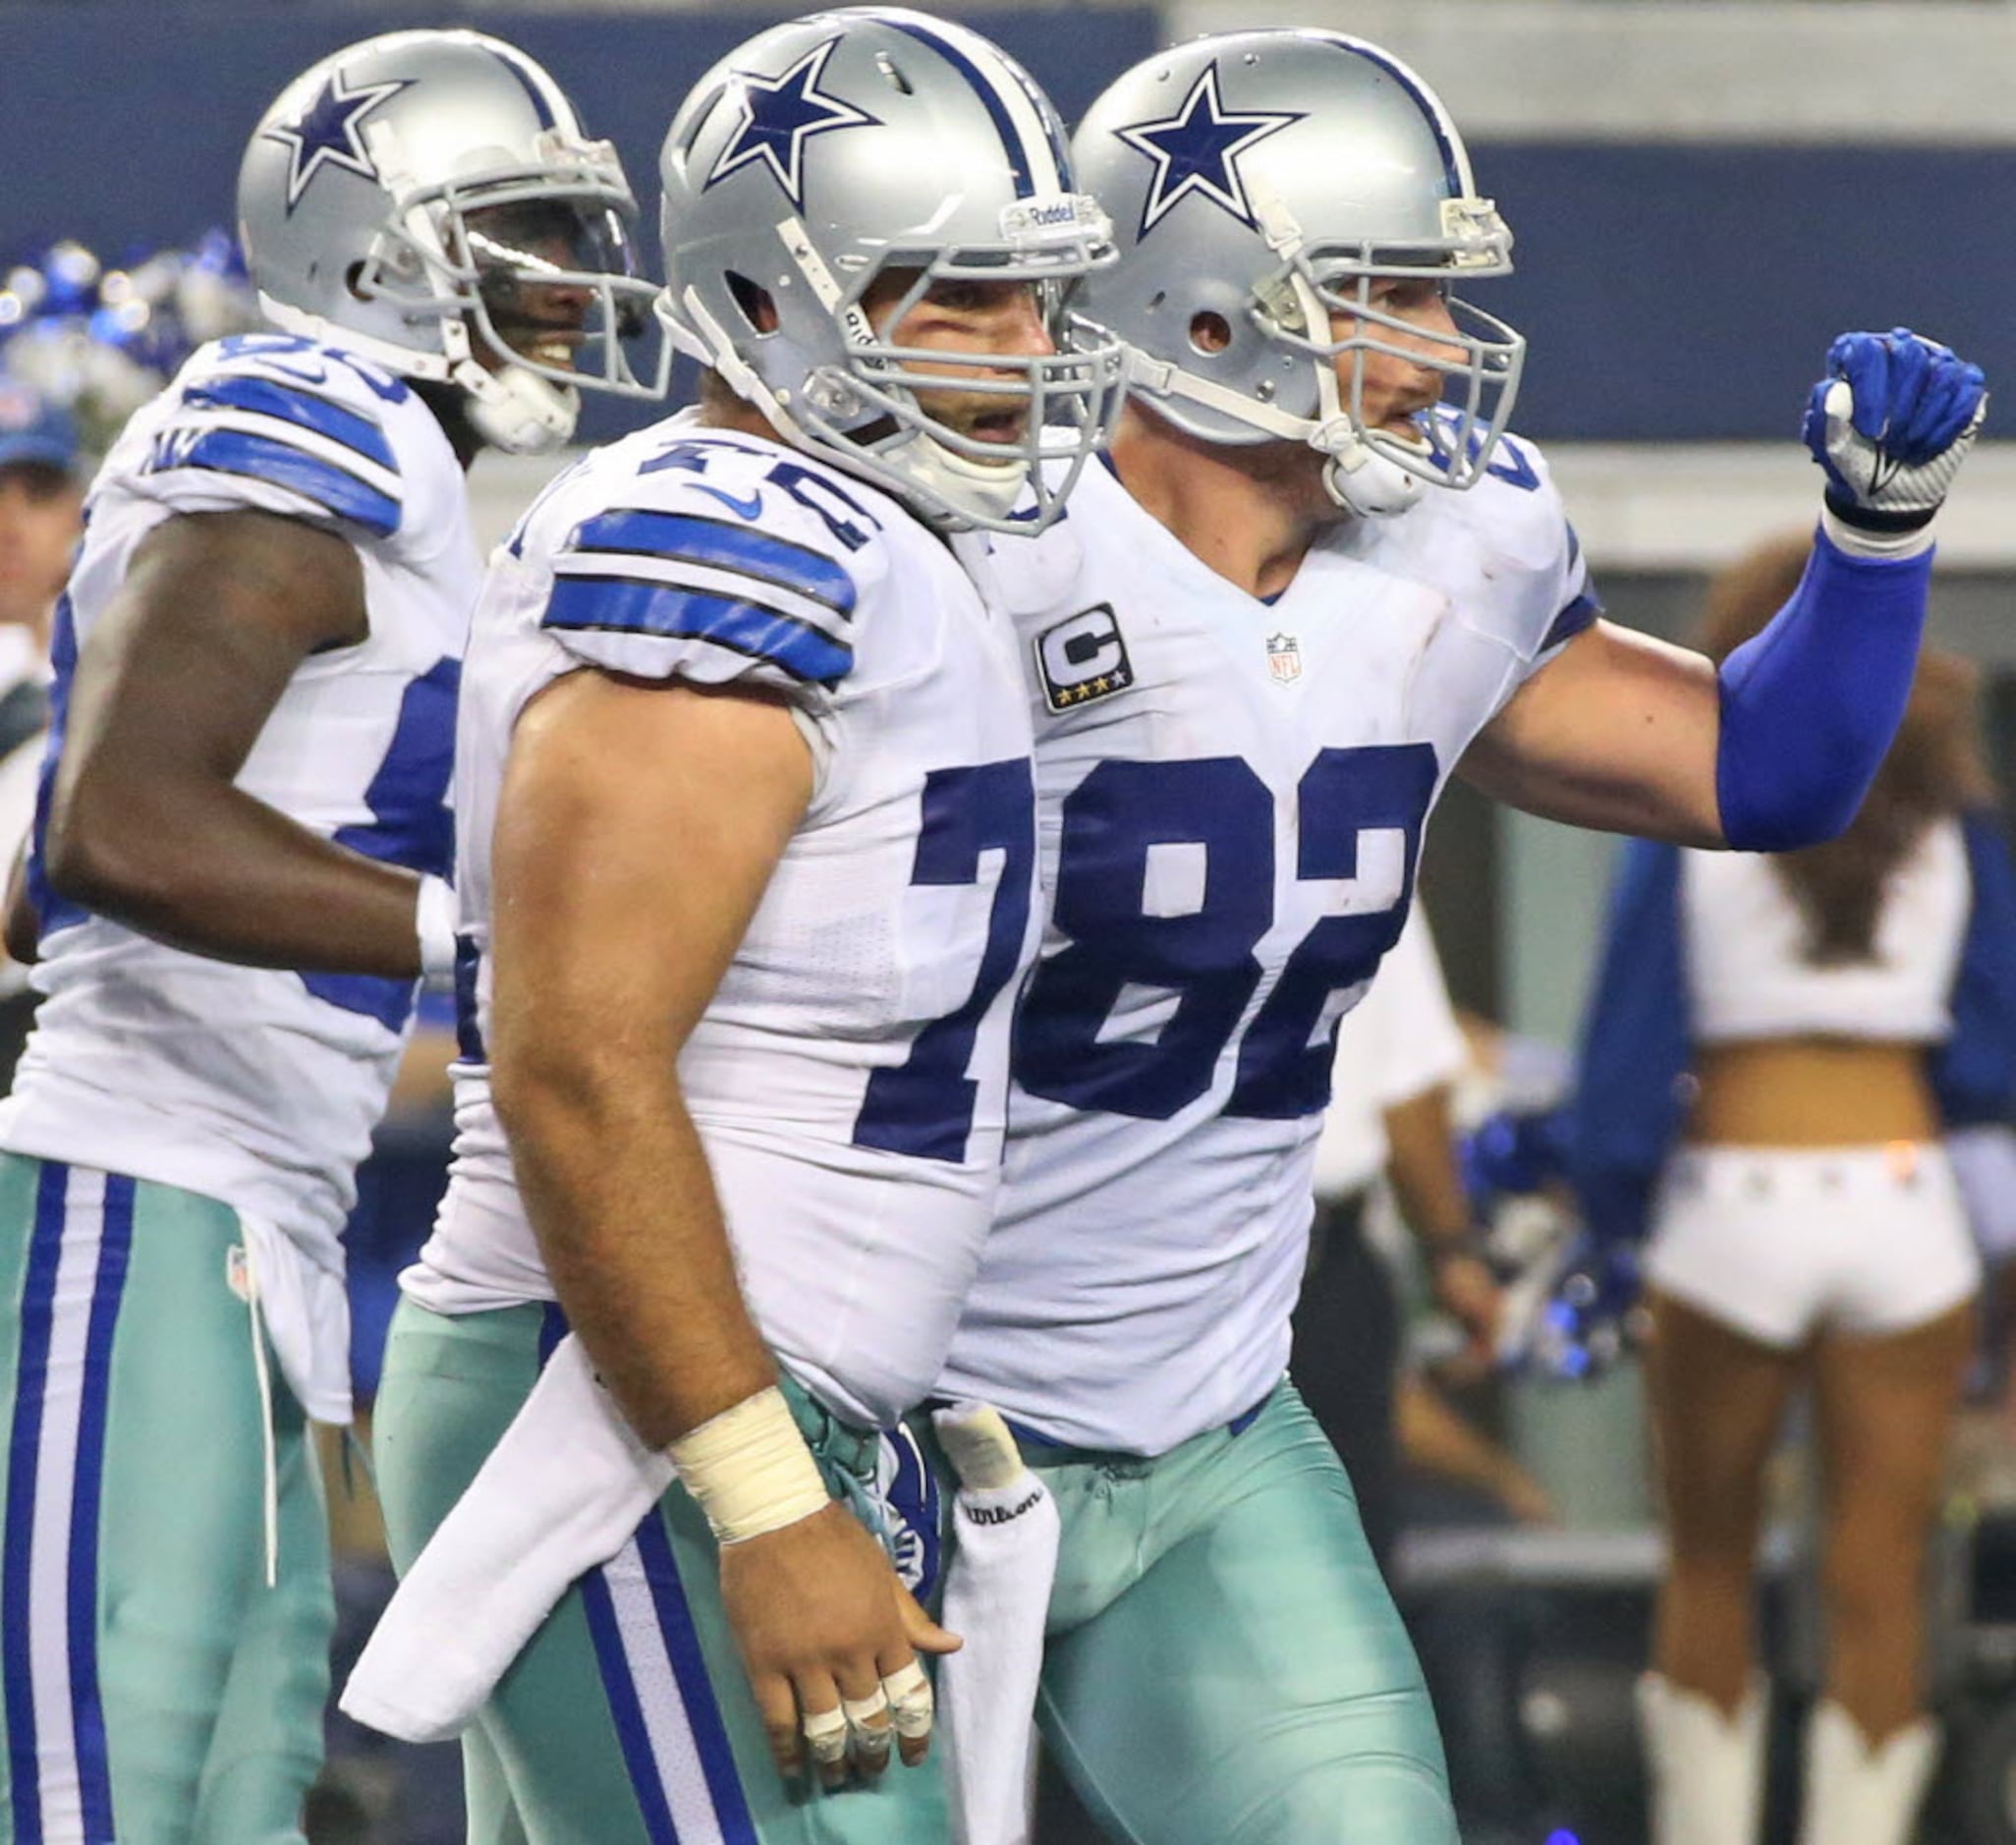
1576	603
1558	600
721	580
299	431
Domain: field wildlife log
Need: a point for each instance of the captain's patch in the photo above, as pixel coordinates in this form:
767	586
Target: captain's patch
1083	658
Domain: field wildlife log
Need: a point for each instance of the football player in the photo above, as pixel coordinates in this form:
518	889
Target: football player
746	872
1318	579
238	876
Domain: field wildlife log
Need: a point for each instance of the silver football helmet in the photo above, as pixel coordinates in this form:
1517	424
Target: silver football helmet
428	200
1266	178
850	146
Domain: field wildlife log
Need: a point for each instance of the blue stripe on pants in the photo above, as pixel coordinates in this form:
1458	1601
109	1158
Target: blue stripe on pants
695	1689
87	1716
625	1707
37	1320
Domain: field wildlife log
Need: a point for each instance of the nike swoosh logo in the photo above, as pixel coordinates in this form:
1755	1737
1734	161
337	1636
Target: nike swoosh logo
748	508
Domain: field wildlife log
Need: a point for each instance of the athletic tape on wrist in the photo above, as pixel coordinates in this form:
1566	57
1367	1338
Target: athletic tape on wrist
750	1470
1860	540
433	923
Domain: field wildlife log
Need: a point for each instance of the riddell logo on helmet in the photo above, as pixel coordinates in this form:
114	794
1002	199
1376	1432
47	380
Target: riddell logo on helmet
1018	220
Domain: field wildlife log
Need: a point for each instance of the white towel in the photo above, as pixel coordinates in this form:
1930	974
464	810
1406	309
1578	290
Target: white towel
559	1496
997	1596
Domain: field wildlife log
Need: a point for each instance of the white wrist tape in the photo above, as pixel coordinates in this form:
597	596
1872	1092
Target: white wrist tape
749	1469
433	921
1857	541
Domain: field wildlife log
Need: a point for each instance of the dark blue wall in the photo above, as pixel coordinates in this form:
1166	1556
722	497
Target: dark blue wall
1688	292
1669	293
126	123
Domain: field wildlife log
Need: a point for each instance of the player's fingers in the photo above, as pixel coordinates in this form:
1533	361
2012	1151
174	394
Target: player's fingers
866	1706
779	1710
1861	361
1911	373
1948	403
1914	440
870	1731
912	1710
922	1633
823	1725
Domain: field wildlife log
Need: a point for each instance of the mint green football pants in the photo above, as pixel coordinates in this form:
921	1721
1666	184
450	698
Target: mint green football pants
1224	1664
628	1718
153	1689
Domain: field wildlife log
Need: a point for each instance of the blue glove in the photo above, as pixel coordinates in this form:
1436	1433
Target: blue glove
1890	424
1590	1319
1510	1154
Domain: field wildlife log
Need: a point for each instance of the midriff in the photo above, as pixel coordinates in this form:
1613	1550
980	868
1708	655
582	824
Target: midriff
1809	1091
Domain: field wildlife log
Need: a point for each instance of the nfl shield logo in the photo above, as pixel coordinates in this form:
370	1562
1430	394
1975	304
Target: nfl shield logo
1284	659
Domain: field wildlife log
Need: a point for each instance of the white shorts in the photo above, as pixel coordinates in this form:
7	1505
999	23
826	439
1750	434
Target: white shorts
1784	1243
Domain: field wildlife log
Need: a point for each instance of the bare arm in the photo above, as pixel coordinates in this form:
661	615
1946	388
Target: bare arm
1434	1438
171	692
1618	731
1421	1167
638	829
1421	1162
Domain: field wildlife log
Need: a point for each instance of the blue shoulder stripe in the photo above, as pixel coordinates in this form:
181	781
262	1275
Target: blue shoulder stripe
625	605
264	457
695	539
1571	620
265	398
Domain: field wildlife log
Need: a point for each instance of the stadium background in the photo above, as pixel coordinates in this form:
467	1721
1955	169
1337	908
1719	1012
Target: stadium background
1702	192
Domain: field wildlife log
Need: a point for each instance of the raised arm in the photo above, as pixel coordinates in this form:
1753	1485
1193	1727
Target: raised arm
1774	749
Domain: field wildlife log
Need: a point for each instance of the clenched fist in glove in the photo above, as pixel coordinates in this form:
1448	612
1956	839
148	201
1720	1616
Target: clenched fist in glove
1890	424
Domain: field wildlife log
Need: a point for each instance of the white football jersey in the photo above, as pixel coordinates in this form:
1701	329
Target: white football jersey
257	1087
1230	801
849	1079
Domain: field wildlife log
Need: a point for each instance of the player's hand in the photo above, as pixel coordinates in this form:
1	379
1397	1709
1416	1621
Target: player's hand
830	1639
1467	1290
1890	424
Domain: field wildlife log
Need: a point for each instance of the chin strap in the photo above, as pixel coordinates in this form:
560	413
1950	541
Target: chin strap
517	411
1363	483
1357	477
957	483
513	409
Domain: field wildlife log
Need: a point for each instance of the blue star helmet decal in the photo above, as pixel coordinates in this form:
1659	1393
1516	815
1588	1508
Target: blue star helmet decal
328	132
1197	150
779	115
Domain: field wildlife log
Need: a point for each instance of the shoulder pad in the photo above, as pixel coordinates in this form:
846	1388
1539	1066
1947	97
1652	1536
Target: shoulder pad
715	557
281	422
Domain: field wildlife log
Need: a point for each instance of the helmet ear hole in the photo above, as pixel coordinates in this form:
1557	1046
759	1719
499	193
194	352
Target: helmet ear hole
757	308
352	280
1209	332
